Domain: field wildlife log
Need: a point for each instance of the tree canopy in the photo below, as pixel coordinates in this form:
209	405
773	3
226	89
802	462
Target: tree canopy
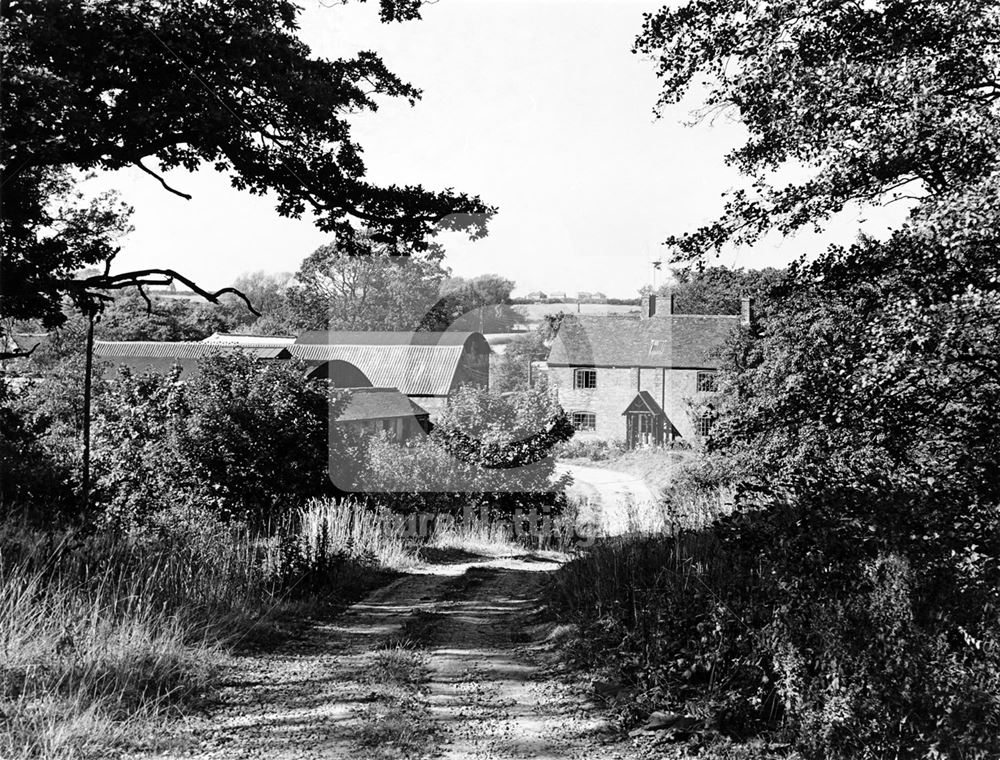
892	100
161	85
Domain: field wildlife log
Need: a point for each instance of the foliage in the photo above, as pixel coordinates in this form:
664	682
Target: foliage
108	633
719	290
384	290
593	449
227	84
512	370
480	304
487	450
269	293
243	437
707	623
129	317
36	479
876	101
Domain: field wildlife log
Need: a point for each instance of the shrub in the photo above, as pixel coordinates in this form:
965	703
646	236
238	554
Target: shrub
594	449
245	438
487	450
783	621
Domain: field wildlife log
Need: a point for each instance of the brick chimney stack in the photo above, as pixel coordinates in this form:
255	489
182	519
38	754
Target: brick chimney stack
649	306
746	312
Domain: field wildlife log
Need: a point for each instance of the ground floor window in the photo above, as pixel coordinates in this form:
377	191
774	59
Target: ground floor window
703	425
584	420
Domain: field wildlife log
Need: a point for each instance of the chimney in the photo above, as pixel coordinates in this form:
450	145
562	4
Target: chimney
746	312
673	304
649	307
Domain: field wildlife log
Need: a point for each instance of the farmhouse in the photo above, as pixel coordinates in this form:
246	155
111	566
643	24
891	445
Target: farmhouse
642	379
426	366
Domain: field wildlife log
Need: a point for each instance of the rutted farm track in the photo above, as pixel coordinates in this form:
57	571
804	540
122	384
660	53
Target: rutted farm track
482	690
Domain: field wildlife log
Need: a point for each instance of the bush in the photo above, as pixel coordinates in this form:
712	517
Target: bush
784	622
487	450
594	449
245	438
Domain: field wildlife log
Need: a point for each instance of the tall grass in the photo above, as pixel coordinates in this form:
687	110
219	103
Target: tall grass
101	635
362	531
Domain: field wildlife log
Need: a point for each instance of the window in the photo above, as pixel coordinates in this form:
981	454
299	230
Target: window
707	382
585	378
584	421
703	425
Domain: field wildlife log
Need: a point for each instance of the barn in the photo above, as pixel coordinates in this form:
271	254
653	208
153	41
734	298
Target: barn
161	356
425	366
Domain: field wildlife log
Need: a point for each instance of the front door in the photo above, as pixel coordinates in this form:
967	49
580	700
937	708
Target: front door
640	429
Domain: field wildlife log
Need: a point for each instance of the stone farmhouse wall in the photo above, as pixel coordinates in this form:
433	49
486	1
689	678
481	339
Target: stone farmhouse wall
673	389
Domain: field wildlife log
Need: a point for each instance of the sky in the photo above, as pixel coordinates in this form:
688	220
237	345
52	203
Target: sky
539	107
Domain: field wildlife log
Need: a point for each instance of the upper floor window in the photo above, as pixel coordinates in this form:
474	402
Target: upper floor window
585	378
584	421
707	381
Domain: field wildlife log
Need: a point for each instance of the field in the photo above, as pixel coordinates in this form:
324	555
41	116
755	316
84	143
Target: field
535	312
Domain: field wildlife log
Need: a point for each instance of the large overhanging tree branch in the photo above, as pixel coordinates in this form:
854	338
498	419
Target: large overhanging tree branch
165	85
874	102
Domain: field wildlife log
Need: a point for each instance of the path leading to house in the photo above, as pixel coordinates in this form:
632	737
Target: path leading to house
619	502
482	691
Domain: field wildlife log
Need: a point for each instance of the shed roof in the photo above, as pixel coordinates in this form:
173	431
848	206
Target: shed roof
245	339
148	349
388	338
418	364
671	341
378	404
644	402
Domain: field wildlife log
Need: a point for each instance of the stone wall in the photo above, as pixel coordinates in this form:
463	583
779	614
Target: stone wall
673	389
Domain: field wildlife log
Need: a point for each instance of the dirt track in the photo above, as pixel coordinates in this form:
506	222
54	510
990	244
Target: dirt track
484	692
621	502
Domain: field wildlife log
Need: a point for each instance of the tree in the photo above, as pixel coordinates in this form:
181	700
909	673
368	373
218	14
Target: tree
481	304
160	85
268	292
859	420
487	449
886	101
512	369
719	290
245	437
382	290
130	317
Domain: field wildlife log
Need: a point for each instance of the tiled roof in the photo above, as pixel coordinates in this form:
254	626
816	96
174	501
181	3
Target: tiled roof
378	404
418	364
142	349
644	402
678	340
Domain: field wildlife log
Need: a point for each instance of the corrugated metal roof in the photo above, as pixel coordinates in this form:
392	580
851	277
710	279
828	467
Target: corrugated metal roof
142	349
376	338
255	341
678	340
414	370
378	404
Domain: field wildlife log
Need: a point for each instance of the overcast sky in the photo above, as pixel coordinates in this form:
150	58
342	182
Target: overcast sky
538	106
